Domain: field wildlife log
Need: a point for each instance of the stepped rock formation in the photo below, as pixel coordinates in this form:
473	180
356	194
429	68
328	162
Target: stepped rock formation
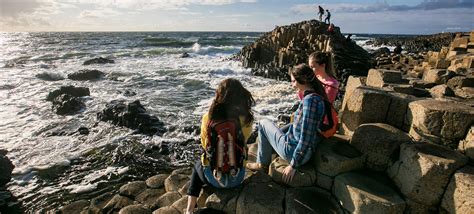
276	51
415	44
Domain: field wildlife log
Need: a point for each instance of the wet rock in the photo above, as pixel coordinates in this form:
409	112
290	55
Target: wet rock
135	209
310	200
157	181
83	131
75	207
6	168
86	74
166	199
175	181
100	201
305	176
66	104
359	193
378	142
423	171
48	76
99	60
70	90
184	55
150	196
132	189
132	115
116	204
127	93
459	194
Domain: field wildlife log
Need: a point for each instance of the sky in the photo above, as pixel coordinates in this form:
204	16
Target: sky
356	16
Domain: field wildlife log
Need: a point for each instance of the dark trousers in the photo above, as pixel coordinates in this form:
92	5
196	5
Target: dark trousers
197	180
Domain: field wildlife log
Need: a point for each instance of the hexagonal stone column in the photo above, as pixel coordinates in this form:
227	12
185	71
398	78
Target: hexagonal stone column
459	196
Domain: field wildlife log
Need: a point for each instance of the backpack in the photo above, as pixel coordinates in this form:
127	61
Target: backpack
330	120
225	149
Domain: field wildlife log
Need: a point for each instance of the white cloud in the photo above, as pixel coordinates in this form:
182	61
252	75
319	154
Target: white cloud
99	13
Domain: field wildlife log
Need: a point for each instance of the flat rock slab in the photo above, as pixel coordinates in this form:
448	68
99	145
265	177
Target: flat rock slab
224	200
459	195
334	157
261	198
423	171
310	200
381	77
378	142
359	193
305	176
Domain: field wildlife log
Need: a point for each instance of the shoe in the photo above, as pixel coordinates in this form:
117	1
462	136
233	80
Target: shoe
257	167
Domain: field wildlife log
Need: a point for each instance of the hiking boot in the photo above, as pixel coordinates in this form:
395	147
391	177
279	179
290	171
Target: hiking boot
257	167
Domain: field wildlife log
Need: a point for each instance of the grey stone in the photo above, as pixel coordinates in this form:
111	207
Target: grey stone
423	171
380	77
167	199
157	181
466	146
224	200
304	176
459	195
254	198
324	181
378	142
438	76
75	207
310	200
135	209
132	189
175	181
117	203
333	157
150	196
359	193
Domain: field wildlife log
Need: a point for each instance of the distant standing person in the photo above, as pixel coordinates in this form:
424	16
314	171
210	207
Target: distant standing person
398	49
321	13
328	17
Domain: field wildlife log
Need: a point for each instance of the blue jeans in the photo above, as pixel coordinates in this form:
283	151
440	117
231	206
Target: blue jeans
226	181
271	137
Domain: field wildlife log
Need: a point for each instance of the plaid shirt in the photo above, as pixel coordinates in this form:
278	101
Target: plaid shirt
303	131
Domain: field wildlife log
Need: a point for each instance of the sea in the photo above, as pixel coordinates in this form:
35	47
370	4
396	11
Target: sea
54	164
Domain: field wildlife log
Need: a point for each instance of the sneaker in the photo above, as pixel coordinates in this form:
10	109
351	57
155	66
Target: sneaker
257	167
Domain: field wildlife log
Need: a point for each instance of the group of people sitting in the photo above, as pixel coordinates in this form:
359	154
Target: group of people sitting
227	126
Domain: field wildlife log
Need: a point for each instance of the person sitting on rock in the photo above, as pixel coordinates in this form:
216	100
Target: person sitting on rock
232	103
321	13
322	66
328	17
298	144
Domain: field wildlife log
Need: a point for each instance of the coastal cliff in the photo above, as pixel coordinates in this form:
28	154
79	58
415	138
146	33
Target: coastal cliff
273	53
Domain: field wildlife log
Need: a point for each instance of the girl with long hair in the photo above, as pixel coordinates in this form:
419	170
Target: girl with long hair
298	143
323	69
232	102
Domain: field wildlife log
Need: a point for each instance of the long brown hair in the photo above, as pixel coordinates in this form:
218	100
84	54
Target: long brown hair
303	74
232	100
326	59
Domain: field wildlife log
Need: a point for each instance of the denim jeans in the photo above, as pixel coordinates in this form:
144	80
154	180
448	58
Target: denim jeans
226	181
271	137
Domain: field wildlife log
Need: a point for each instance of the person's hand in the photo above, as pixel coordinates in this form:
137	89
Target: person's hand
288	174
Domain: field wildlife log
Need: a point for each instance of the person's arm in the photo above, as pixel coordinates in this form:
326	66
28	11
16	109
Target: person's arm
313	111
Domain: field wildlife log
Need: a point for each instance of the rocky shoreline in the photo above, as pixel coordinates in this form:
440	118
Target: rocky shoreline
405	143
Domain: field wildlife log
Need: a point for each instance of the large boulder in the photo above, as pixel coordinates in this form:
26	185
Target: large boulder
459	195
360	193
304	176
157	181
175	181
166	199
460	82
116	204
132	115
86	74
149	196
224	200
310	200
378	142
440	91
274	52
135	209
438	76
74	207
70	90
99	60
440	122
423	171
132	189
66	104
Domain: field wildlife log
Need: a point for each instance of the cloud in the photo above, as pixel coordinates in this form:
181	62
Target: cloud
381	7
97	14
